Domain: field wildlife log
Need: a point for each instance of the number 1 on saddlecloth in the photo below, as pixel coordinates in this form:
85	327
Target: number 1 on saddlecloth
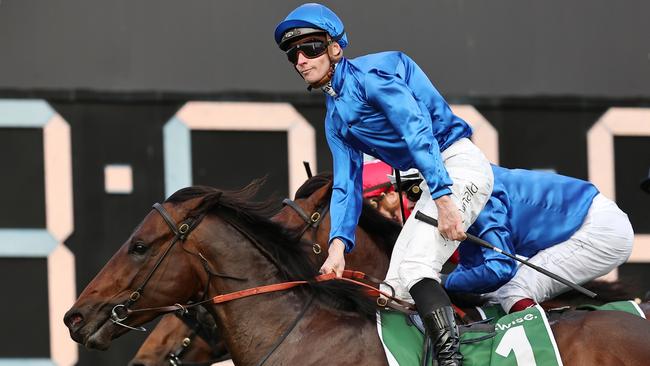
515	340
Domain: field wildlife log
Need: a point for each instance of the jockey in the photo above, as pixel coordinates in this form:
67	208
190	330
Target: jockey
385	106
562	224
380	192
379	189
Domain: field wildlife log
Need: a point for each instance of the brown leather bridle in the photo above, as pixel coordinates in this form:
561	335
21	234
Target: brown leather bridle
312	221
181	232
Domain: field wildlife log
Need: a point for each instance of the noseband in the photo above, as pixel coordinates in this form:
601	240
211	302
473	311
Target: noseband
121	311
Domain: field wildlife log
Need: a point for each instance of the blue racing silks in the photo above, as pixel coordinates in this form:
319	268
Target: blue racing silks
528	211
386	107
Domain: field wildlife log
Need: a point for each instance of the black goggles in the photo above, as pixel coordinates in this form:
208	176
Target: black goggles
309	49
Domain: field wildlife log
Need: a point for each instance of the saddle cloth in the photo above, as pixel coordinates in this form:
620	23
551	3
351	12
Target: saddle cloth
521	338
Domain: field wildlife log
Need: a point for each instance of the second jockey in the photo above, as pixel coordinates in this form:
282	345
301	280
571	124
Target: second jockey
379	190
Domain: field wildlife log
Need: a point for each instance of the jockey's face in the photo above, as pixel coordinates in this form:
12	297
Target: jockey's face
389	206
313	69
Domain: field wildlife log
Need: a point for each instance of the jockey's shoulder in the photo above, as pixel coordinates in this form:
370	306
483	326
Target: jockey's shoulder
387	61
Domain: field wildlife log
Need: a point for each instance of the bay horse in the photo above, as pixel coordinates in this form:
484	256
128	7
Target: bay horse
238	248
370	256
231	246
306	216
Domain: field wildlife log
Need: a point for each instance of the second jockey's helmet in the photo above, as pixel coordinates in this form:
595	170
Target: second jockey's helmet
307	19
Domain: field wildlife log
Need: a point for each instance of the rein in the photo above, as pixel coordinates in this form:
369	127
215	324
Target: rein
349	276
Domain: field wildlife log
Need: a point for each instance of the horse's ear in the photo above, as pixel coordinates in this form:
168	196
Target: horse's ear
322	192
208	200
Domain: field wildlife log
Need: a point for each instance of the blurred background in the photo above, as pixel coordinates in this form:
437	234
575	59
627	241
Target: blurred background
109	106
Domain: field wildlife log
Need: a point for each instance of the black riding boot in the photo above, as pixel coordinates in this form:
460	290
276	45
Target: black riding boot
437	314
443	331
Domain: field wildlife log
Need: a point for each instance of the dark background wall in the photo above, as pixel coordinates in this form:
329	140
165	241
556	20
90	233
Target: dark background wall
469	48
131	133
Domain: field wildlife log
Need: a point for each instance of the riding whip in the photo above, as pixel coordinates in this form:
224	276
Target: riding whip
476	240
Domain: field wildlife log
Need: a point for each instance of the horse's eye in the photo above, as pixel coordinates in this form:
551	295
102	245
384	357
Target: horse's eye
138	248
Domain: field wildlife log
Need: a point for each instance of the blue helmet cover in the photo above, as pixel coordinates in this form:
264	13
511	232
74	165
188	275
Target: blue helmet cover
312	15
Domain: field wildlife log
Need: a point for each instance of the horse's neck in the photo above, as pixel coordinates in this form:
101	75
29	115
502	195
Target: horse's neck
273	326
250	325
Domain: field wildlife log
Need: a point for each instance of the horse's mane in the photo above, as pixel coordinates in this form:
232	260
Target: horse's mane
382	230
280	246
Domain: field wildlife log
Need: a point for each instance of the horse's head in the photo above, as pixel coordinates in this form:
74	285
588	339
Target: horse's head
311	201
309	217
180	338
157	265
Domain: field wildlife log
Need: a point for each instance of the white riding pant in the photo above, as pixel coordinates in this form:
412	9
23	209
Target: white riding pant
603	242
420	250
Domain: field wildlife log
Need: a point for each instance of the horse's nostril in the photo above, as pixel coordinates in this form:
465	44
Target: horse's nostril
73	319
136	364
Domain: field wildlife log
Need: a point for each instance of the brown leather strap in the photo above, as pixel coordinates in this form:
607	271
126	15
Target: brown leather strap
256	291
348	276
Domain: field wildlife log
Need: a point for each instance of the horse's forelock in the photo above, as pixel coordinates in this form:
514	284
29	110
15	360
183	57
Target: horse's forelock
188	193
313	184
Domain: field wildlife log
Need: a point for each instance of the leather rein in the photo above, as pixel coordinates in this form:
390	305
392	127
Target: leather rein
313	221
